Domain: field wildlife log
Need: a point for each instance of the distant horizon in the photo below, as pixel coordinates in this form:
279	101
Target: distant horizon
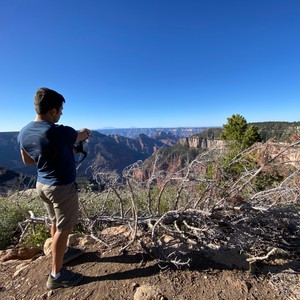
160	127
62	122
129	128
169	127
156	127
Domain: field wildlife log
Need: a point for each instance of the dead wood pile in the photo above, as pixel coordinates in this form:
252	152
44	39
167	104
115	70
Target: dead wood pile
204	213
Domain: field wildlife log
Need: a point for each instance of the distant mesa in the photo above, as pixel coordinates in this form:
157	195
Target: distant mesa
133	133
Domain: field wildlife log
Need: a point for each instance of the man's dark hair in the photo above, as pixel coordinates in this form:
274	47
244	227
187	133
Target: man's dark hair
46	99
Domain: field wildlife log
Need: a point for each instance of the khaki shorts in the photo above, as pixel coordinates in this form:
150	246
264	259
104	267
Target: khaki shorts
61	203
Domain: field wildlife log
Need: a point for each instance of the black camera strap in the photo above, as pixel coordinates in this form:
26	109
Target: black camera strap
79	149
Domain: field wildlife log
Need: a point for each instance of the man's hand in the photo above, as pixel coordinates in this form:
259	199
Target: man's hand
83	134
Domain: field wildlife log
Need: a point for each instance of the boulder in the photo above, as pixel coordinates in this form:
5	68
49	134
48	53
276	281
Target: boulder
18	253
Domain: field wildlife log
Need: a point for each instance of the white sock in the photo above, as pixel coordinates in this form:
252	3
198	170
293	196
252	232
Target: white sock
55	276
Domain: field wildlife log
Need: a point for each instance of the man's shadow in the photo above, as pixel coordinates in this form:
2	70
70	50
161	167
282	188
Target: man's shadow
130	274
199	263
138	272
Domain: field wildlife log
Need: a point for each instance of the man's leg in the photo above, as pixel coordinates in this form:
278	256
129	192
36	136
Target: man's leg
59	245
53	230
62	205
60	277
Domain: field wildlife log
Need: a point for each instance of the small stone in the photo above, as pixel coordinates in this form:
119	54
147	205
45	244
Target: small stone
50	293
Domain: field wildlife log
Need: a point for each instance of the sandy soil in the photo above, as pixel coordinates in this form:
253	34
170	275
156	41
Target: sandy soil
133	275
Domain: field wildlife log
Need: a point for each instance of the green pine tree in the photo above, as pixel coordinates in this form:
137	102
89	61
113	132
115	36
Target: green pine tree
238	136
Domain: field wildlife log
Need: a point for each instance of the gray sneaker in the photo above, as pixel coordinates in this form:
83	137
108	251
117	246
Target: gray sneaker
66	279
71	254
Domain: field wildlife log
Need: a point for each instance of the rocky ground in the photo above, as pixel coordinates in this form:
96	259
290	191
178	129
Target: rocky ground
134	275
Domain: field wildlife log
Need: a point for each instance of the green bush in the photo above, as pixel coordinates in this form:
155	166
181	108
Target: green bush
266	180
15	209
36	236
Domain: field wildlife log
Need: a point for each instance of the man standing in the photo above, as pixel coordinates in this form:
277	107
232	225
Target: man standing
50	147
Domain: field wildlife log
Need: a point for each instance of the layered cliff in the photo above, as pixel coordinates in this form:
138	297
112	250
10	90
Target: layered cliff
199	142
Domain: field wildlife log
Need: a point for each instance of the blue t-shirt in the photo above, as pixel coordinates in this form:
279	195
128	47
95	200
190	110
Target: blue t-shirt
51	147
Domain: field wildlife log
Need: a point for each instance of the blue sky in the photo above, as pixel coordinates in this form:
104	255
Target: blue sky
151	63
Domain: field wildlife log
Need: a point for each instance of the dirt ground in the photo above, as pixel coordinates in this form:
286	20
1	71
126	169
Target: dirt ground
133	275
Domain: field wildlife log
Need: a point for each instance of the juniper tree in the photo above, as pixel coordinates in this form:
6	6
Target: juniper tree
238	136
238	133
